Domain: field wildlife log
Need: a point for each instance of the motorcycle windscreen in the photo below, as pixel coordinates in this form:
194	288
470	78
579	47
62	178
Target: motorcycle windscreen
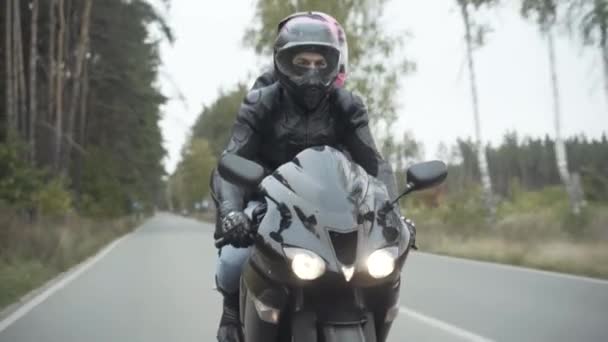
325	177
323	190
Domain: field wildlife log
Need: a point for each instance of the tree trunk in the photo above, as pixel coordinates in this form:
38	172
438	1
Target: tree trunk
83	106
20	70
59	87
82	123
604	48
52	63
560	147
8	55
33	111
81	51
480	149
14	76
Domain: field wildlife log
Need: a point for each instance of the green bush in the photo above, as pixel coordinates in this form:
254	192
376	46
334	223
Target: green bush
595	184
552	198
19	182
524	215
53	199
103	193
22	186
532	228
577	226
461	212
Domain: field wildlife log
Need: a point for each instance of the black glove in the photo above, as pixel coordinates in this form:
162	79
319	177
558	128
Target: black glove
411	226
237	229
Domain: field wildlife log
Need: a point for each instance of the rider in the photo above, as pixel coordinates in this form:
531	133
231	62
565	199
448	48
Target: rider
301	103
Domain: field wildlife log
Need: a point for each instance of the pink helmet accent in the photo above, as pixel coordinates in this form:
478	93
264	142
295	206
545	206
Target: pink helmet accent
340	79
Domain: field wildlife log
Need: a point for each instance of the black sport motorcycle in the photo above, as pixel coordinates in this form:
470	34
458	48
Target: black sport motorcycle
328	251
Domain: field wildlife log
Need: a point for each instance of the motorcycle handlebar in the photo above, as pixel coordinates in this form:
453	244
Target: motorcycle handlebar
221	242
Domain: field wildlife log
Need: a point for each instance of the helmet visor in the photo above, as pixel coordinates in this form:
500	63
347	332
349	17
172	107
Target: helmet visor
298	61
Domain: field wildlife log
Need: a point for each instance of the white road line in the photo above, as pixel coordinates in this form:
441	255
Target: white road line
27	307
449	328
518	268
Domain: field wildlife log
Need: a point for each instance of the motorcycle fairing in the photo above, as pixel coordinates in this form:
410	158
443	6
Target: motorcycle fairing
321	193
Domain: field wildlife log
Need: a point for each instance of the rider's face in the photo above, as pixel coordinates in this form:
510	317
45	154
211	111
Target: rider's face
310	60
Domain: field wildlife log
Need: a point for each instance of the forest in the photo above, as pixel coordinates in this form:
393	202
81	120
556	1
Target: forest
80	144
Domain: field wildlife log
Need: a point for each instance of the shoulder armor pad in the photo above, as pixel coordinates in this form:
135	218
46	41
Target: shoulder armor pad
348	101
269	96
253	97
265	96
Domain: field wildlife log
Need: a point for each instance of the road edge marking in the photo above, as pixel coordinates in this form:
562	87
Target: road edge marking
61	283
447	327
519	268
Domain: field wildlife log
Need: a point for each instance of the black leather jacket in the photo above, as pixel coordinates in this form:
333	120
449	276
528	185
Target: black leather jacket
271	129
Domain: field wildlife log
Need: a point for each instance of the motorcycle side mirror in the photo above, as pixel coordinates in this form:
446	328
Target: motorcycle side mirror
240	171
423	176
426	175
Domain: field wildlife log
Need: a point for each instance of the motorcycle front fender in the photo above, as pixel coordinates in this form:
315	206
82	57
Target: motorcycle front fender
362	332
305	327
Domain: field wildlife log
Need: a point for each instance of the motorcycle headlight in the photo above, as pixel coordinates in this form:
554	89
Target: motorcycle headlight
381	263
304	263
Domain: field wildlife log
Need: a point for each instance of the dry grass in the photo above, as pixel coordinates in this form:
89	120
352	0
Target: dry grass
532	228
31	254
534	231
583	258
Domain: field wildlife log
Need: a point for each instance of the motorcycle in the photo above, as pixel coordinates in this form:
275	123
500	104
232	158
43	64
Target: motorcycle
329	250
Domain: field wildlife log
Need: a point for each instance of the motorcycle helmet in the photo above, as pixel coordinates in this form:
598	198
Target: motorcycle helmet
307	57
342	74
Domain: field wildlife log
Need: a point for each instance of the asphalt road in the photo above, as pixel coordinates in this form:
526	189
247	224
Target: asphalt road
156	285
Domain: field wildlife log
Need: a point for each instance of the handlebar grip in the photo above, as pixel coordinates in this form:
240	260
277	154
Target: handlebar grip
221	242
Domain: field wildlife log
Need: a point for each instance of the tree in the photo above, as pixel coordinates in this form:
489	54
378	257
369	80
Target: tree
372	51
124	102
86	92
591	19
19	90
59	83
32	109
215	122
52	18
546	16
191	178
8	56
77	78
486	182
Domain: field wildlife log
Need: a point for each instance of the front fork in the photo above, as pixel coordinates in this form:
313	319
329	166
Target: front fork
386	307
262	305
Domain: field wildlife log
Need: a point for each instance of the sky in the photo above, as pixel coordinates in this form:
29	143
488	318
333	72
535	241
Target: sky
434	102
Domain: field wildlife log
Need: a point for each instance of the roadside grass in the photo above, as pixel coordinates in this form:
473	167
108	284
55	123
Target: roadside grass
582	258
532	229
33	253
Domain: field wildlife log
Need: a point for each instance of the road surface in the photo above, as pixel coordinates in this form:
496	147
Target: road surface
156	285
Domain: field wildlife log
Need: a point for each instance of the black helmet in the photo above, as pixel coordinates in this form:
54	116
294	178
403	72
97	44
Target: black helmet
310	33
343	73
